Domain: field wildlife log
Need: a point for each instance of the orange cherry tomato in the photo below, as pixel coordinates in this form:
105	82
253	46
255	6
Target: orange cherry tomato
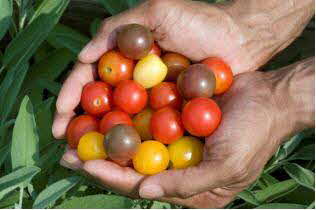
185	152
114	118
114	67
91	147
222	72
78	127
155	49
166	125
165	94
142	124
96	98
201	116
130	96
151	158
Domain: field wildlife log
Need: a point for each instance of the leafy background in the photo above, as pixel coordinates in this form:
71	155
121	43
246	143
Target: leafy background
39	41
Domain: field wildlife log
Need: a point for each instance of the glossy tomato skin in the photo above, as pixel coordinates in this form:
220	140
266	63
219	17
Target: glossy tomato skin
96	98
176	63
114	118
166	125
222	72
141	123
165	94
201	116
78	127
185	152
130	96
91	147
155	49
114	67
151	158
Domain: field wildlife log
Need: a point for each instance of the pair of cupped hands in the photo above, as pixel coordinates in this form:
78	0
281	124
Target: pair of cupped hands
250	132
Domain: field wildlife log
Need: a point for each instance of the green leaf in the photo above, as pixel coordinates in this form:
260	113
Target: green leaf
55	191
289	146
9	200
5	16
16	178
160	205
133	3
281	206
25	7
114	6
305	153
311	206
95	25
301	175
4	151
51	86
65	37
24	45
277	190
24	149
267	180
249	197
97	202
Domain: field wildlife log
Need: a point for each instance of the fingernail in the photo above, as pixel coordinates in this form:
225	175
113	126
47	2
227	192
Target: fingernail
151	192
70	161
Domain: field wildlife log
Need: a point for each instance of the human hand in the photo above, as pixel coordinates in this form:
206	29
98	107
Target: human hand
252	128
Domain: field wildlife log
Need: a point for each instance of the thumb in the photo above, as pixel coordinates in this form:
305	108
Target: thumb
184	183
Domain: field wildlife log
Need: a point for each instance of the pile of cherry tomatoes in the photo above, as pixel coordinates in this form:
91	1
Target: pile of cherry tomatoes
148	111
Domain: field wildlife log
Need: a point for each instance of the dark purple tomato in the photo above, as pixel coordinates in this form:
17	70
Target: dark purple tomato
176	63
135	41
196	81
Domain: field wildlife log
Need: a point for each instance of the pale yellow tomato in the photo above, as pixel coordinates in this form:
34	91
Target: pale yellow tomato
91	147
150	71
142	123
151	158
185	152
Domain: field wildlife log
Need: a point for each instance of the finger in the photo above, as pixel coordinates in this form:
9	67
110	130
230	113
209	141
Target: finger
71	160
70	95
121	179
106	36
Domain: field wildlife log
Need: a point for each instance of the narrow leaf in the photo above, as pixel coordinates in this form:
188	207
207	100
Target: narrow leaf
311	206
302	175
51	86
94	27
114	6
249	197
5	16
281	206
4	151
55	191
305	153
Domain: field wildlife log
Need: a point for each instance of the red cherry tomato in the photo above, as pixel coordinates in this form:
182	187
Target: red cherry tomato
166	125
201	116
114	118
78	127
96	98
130	96
222	72
114	67
165	94
155	50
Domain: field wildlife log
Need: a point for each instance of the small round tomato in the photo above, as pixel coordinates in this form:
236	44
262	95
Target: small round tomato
150	71
201	116
185	152
91	147
114	118
151	158
114	67
78	127
222	72
130	96
176	63
142	124
155	50
166	125
96	98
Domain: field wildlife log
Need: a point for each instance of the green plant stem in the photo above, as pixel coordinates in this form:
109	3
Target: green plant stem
21	196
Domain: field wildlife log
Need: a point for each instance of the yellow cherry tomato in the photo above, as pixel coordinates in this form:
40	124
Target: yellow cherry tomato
150	71
142	124
185	152
91	147
151	158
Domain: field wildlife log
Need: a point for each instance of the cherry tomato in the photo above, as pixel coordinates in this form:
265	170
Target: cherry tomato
201	116
114	67
222	72
151	158
91	147
78	127
166	125
114	118
155	50
185	152
130	96
142	124
96	98
176	63
150	71
165	94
